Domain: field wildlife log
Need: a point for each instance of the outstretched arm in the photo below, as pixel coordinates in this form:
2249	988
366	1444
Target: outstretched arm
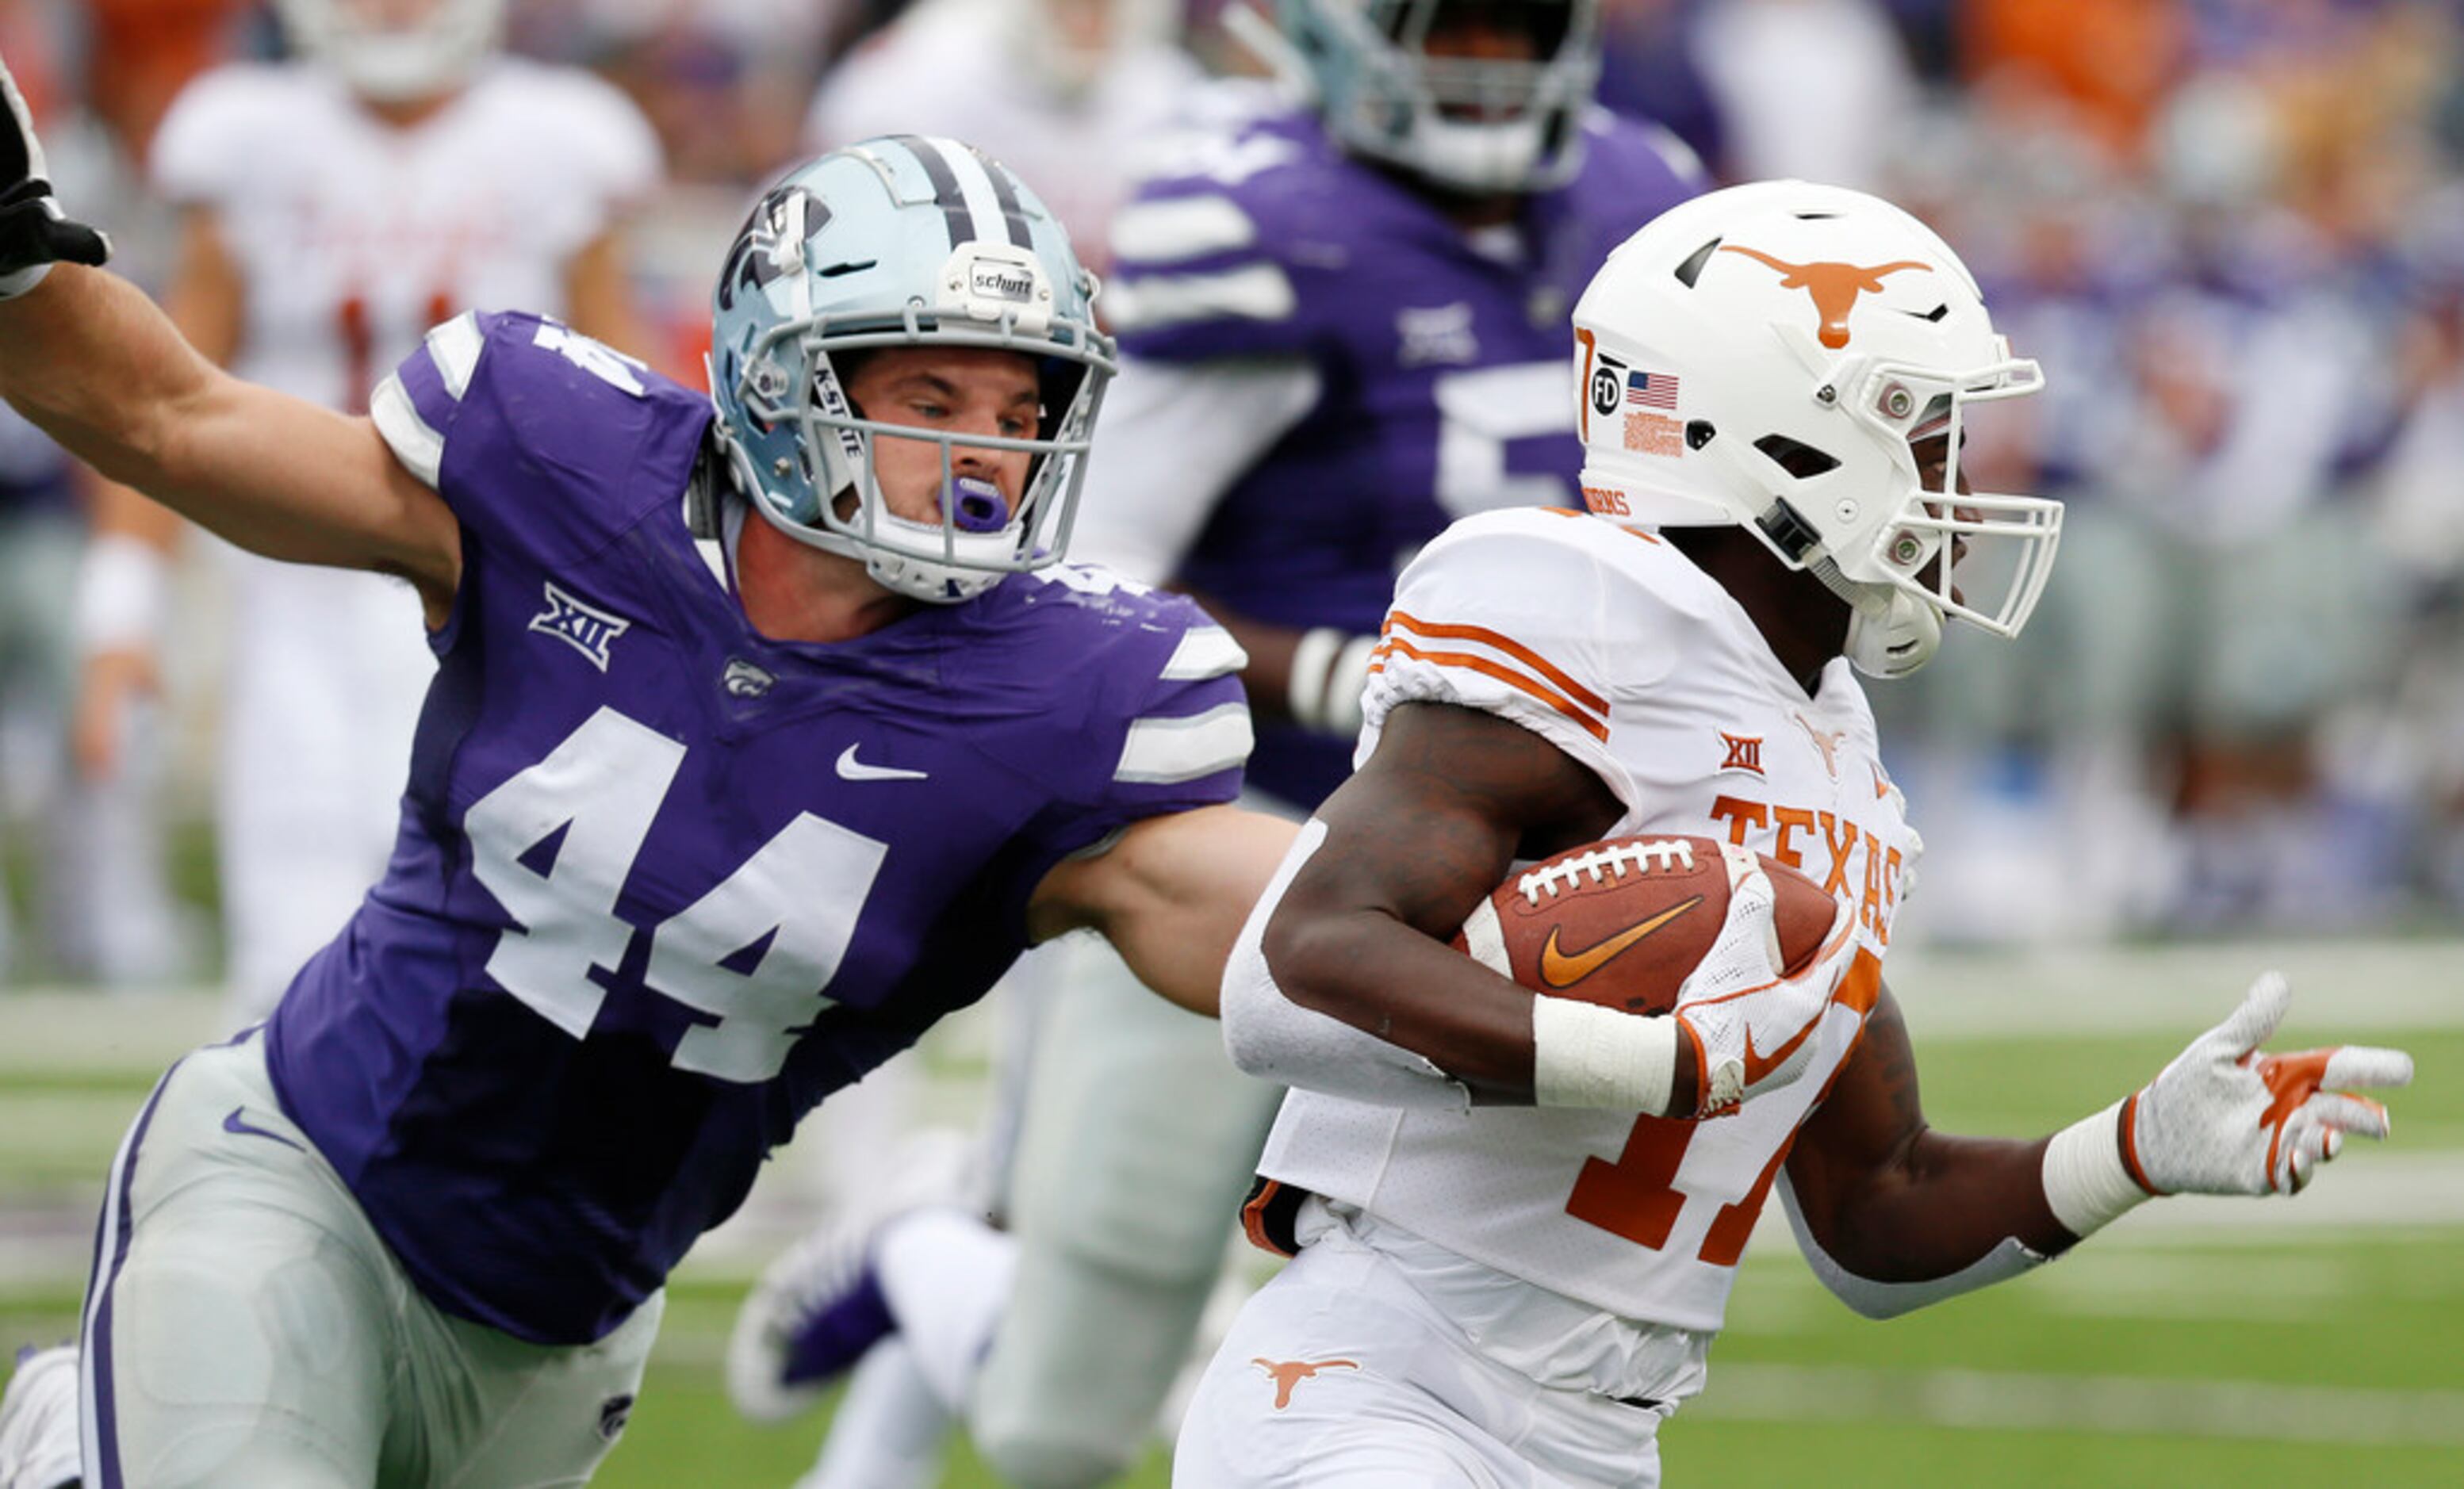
97	366
1170	894
89	359
1894	1216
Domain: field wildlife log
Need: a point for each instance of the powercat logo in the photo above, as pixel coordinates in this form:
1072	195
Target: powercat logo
994	281
1835	286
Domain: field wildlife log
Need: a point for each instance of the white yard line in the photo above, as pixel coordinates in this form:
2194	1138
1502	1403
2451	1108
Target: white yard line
2344	986
2101	1404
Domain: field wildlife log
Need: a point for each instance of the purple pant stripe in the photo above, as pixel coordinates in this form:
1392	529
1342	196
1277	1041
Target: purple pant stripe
116	1207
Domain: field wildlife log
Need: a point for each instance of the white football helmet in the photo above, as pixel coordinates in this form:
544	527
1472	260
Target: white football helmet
393	49
1763	356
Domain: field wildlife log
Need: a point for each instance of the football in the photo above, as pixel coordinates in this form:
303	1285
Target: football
1621	922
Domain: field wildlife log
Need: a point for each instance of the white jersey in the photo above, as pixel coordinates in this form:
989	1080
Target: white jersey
350	239
1608	643
353	237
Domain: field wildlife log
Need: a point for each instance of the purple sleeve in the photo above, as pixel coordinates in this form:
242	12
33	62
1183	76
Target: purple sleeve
1166	727
541	440
1248	256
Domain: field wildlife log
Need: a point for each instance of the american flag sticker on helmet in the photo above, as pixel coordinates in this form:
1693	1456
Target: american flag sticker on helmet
1651	390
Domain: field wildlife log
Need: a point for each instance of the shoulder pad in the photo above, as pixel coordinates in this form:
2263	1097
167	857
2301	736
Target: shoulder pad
536	433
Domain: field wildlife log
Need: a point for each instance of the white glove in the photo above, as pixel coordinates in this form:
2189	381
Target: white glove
1753	1029
2222	1119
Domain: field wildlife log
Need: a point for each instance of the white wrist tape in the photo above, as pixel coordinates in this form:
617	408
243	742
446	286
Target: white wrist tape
121	591
2085	1182
1330	672
13	285
1583	1055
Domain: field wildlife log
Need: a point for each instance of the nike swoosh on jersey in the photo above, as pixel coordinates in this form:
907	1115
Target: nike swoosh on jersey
1561	970
234	1123
853	769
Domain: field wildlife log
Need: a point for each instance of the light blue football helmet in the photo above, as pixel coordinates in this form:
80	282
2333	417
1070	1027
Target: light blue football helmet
904	240
1468	124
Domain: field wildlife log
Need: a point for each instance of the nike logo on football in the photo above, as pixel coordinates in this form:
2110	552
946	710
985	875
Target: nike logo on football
235	1124
1560	970
853	769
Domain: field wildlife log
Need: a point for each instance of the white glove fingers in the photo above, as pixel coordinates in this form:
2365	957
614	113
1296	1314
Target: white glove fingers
2294	1148
2368	1067
2336	1110
2250	1024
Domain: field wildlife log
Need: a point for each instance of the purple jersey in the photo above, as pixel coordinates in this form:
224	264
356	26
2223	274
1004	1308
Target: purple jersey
1444	362
663	883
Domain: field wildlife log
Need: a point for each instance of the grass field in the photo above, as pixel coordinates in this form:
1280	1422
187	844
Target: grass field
2198	1342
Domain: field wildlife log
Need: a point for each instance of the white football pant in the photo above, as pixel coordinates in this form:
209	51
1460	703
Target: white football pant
245	1326
1343	1372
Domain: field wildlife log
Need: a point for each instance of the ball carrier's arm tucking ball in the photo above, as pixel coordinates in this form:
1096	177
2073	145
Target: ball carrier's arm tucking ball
1621	922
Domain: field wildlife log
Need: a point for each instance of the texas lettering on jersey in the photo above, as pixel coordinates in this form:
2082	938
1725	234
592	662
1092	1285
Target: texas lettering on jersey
1846	859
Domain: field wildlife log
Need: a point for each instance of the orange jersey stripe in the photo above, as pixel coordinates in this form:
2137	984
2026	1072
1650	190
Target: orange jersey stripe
1512	647
1503	674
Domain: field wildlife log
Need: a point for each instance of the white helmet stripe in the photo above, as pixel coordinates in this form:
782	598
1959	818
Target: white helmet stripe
1005	193
946	192
995	221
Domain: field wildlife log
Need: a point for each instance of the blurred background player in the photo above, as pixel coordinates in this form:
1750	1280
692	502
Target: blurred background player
1343	326
1072	92
90	863
333	209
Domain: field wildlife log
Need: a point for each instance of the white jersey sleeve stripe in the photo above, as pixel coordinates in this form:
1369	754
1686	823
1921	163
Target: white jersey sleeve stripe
1396	646
419	447
1204	651
1481	635
1180	228
1257	292
1167	751
454	347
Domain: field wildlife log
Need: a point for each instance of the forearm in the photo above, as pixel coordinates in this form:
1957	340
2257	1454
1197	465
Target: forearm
91	360
1948	1203
1171	895
1894	1215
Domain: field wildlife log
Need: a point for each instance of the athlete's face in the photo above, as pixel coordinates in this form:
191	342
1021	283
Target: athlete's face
1933	451
1479	31
960	392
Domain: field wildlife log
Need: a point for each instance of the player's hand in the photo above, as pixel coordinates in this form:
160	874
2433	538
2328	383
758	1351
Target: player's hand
2225	1119
34	235
1751	1028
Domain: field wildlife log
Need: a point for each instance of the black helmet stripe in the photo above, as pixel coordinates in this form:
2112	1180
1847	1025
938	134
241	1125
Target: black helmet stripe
1006	192
952	201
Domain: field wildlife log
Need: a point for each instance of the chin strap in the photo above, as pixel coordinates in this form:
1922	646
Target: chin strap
1891	633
